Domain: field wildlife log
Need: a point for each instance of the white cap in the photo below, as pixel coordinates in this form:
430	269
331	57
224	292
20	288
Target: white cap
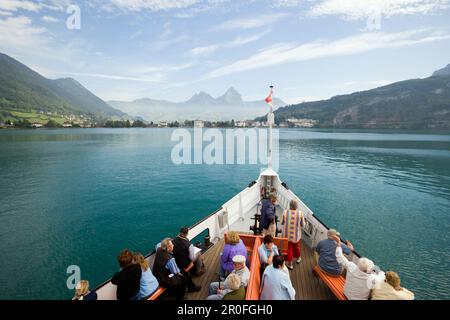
239	259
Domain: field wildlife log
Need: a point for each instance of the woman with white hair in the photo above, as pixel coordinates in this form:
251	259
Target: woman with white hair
238	293
361	278
217	290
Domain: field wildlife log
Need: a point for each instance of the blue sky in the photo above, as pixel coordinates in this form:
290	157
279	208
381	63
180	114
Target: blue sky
171	49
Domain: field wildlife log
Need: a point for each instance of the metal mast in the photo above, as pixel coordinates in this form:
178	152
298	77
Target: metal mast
270	122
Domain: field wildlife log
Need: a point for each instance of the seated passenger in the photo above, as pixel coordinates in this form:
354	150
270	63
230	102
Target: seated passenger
238	292
82	292
267	250
128	279
149	284
275	283
185	254
167	272
326	249
390	289
233	247
360	278
217	290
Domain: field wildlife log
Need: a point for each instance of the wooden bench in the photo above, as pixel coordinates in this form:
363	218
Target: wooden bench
334	283
252	243
282	245
254	283
157	293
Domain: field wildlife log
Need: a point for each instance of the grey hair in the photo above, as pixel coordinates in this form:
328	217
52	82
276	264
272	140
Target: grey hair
365	265
165	244
331	233
234	282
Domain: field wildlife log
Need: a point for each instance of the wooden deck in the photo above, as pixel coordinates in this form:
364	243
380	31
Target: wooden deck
306	285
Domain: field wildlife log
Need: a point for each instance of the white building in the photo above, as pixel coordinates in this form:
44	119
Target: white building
199	124
302	123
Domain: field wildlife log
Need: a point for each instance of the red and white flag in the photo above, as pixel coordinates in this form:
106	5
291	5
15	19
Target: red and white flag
269	99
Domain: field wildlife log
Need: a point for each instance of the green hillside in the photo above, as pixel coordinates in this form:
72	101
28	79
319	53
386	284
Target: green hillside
26	94
411	104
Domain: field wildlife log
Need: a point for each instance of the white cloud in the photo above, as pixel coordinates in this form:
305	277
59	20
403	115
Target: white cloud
33	6
49	19
252	22
150	5
164	43
18	32
5	13
286	3
363	9
237	42
160	69
116	77
14	5
291	52
57	5
167	30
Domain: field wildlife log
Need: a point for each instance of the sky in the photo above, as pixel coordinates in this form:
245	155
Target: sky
171	49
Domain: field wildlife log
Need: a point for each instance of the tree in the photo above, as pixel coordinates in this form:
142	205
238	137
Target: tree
22	124
52	124
139	124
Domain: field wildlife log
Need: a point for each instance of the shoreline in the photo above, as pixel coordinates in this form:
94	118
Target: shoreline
387	130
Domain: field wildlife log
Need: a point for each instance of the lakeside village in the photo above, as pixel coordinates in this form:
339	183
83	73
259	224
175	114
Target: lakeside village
80	121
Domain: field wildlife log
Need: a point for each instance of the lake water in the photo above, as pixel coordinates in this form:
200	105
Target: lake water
79	196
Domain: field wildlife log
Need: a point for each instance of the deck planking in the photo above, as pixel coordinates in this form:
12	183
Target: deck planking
306	285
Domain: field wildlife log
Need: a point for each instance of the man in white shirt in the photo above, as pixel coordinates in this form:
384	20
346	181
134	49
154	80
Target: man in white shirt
360	279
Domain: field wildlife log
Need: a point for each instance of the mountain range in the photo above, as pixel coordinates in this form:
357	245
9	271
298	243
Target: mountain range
229	106
26	91
411	104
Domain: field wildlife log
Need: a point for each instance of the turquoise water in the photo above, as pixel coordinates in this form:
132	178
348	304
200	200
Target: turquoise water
77	197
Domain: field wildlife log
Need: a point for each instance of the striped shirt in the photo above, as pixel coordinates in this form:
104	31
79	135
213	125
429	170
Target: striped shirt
293	221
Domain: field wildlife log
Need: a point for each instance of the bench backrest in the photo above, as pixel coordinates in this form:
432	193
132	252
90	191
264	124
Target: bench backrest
254	283
282	244
334	283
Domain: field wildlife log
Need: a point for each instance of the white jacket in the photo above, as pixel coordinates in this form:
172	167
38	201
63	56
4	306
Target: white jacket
358	283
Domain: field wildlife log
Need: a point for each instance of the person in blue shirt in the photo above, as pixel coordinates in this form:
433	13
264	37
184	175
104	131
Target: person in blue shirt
275	283
326	249
167	272
267	250
149	283
268	214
